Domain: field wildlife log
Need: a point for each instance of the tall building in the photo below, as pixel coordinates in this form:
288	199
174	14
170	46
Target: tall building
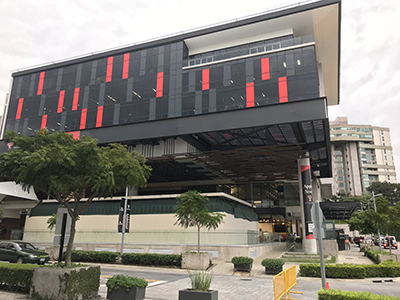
361	155
228	110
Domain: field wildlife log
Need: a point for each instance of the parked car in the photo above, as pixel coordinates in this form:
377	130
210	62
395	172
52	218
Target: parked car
22	252
392	243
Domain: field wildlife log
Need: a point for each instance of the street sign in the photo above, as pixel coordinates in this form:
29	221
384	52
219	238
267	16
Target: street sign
317	218
121	215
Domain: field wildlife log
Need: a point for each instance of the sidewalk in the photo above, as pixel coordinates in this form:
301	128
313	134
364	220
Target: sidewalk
255	285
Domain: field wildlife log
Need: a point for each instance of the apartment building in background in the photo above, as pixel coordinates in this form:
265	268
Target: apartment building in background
361	155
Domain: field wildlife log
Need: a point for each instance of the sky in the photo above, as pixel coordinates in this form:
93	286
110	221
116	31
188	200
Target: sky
43	31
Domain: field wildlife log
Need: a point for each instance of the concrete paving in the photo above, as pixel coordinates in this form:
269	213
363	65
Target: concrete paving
256	285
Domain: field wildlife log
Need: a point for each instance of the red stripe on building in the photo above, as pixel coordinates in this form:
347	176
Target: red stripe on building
283	93
19	109
250	94
76	134
44	121
265	68
205	79
99	119
83	118
305	168
60	101
109	68
125	68
40	85
76	99
160	81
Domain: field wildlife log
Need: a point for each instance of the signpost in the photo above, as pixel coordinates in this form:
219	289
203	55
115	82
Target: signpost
124	218
317	217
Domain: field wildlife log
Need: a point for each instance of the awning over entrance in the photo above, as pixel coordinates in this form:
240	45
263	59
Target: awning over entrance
14	198
338	210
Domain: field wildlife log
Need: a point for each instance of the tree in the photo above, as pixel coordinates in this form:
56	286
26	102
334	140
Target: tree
191	211
69	170
390	190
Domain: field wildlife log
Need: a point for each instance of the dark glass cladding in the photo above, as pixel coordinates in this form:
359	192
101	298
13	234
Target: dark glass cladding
154	84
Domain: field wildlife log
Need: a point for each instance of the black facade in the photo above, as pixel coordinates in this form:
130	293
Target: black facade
159	83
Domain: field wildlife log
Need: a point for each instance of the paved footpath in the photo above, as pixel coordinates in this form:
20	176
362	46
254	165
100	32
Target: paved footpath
256	285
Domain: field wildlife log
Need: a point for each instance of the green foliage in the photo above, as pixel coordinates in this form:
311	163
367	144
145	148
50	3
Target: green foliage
390	191
200	281
191	211
106	257
67	169
128	282
273	263
150	259
347	295
373	254
241	260
349	271
16	277
51	222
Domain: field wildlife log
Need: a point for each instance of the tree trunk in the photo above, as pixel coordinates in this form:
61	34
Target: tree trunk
70	243
198	239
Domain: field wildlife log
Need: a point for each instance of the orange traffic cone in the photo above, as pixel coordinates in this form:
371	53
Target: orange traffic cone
327	286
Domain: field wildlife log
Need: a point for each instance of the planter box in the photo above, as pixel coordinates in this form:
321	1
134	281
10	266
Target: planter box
197	295
243	268
135	293
273	271
196	261
65	284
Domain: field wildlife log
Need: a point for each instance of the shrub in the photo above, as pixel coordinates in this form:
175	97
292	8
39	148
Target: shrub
150	259
334	271
200	281
241	260
94	256
385	269
273	263
128	282
374	255
346	295
16	277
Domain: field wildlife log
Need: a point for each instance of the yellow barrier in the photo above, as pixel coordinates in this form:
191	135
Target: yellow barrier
283	282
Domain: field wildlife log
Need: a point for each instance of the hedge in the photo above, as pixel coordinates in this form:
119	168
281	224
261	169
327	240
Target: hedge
373	254
150	259
346	295
106	257
386	269
16	277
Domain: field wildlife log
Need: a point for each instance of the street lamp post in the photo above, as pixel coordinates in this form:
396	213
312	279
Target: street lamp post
377	225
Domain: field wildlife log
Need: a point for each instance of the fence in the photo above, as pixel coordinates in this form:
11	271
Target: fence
284	282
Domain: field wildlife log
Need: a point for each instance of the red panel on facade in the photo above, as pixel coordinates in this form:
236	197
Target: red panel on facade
76	99
250	94
44	121
125	68
60	101
283	92
83	118
265	68
99	119
109	68
76	134
205	79
19	109
40	85
160	81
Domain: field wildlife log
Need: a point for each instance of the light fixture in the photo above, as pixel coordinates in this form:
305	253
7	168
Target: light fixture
298	62
111	98
231	81
284	64
136	94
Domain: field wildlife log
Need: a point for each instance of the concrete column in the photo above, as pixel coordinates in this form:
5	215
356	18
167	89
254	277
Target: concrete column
306	199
